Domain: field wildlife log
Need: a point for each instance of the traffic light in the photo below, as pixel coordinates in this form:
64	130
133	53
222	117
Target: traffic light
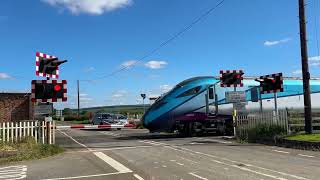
211	93
143	96
47	65
231	78
49	90
271	83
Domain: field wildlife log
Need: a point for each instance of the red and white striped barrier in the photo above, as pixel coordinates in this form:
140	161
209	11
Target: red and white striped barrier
105	126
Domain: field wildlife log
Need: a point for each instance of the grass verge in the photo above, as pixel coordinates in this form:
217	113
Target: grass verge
305	137
26	149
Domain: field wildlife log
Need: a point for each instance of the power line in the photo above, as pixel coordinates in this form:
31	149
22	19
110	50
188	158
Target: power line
198	19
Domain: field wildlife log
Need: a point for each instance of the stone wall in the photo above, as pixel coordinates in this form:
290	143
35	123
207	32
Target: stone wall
15	107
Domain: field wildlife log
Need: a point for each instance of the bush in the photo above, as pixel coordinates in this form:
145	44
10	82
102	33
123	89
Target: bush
75	118
265	132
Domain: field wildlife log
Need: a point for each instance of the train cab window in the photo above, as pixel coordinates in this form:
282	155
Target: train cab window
157	105
190	92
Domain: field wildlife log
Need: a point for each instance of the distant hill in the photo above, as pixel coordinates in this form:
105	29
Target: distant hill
116	109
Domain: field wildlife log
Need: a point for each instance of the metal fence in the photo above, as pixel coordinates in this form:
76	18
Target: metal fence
252	120
42	132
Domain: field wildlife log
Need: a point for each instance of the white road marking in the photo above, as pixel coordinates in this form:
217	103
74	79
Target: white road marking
74	140
164	166
113	163
87	176
138	177
110	149
285	152
235	166
188	160
13	172
304	155
195	175
215	140
179	163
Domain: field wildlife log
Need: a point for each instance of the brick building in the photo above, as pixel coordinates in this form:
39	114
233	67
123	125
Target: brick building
15	107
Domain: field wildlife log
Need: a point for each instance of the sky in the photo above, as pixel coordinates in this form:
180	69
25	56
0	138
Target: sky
100	37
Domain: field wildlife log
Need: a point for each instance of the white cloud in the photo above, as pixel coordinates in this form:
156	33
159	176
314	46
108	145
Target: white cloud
156	64
83	95
5	76
165	88
128	64
298	71
314	58
89	69
94	7
272	43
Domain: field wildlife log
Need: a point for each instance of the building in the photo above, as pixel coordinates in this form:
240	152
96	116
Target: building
15	107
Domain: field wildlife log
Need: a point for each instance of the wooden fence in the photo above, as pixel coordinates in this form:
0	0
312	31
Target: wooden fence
252	120
15	131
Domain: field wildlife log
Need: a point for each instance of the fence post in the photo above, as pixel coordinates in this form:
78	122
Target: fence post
3	132
24	129
28	130
20	130
31	129
42	133
36	131
49	132
53	132
8	132
16	131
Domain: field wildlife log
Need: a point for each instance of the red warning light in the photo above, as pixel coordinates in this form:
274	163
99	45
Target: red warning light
57	87
273	81
238	76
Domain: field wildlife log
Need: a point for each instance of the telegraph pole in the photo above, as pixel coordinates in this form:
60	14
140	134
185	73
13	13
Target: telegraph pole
78	114
305	68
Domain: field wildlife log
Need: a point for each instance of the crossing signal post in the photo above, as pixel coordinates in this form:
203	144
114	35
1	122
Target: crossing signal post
271	83
232	78
48	91
143	97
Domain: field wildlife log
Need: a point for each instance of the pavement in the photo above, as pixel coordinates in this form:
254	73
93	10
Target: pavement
135	154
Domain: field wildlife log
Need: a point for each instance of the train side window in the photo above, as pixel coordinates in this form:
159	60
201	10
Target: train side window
190	92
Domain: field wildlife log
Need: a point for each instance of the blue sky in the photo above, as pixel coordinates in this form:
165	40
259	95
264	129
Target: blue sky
99	37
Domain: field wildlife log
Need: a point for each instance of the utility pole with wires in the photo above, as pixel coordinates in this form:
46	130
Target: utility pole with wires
78	89
305	68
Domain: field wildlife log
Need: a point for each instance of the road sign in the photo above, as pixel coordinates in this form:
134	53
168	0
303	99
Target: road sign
235	96
59	113
43	109
240	106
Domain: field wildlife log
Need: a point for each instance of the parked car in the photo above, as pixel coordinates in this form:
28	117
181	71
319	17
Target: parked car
103	118
121	119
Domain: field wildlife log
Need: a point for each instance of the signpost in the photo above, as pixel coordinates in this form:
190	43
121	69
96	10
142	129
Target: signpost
235	96
41	109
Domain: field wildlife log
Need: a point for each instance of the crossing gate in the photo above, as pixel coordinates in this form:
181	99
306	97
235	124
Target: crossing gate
252	120
41	131
104	126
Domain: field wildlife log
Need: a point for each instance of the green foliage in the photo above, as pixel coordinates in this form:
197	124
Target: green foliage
27	149
305	137
264	132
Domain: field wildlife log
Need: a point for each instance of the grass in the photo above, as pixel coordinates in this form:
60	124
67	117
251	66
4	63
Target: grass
26	149
305	137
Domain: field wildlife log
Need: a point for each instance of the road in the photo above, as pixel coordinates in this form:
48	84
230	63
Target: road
137	155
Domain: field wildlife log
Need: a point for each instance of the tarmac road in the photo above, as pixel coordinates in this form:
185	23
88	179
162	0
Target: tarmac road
136	154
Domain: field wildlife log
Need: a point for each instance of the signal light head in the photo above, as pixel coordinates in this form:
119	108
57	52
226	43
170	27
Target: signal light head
57	87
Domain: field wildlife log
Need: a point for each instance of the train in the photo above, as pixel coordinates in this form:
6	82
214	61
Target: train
186	108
